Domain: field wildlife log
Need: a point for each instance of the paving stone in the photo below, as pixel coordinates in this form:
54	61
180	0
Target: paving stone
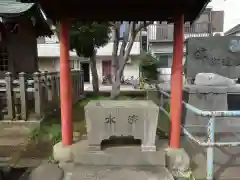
47	171
117	173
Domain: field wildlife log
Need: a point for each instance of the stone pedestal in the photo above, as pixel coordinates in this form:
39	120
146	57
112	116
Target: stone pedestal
211	79
109	118
212	98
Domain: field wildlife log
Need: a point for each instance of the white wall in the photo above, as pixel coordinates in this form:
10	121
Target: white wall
132	70
53	50
99	71
52	64
163	47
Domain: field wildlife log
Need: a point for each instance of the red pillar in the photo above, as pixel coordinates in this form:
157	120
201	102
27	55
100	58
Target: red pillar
176	83
65	85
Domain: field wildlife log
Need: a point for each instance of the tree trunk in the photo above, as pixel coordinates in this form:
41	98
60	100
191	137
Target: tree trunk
127	43
114	56
124	55
95	83
117	84
115	35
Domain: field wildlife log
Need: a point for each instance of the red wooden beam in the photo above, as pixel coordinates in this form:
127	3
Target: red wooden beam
176	83
65	85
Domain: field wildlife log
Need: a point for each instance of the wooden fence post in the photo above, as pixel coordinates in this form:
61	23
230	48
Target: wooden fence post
10	96
37	94
58	84
23	95
49	87
54	87
44	85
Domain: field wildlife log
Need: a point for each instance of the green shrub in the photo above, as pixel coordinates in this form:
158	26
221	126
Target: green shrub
148	67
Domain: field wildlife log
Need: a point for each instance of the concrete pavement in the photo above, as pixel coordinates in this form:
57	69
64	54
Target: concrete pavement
70	171
108	88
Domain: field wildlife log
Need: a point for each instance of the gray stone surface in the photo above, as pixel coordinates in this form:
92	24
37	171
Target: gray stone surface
62	153
135	118
212	55
116	173
211	98
47	171
177	161
226	159
125	155
211	79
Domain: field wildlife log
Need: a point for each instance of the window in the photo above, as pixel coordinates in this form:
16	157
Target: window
75	64
163	60
78	65
122	29
71	64
3	59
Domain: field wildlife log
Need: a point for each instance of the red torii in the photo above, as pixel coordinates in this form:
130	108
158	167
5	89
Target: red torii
176	11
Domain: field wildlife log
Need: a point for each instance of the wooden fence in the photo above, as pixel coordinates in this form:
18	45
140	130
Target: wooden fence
29	95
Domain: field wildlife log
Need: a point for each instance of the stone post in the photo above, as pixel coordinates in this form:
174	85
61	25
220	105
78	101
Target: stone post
10	96
23	95
37	94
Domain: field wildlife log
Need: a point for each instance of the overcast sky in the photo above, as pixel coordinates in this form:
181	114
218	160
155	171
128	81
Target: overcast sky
231	11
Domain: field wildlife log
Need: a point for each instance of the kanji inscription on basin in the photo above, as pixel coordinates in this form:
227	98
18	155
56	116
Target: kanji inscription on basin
109	118
132	119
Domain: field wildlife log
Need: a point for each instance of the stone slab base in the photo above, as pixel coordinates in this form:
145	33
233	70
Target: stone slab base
77	172
113	156
62	153
178	162
46	171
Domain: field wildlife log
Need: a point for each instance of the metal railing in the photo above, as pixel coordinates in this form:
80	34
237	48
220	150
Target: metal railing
164	32
210	144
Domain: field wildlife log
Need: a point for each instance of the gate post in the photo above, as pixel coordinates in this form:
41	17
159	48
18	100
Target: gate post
176	82
65	85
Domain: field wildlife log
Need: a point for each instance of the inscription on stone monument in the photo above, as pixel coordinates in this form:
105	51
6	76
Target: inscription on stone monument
132	119
110	119
219	55
204	55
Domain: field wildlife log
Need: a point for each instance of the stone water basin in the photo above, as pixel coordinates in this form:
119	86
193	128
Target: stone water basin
109	118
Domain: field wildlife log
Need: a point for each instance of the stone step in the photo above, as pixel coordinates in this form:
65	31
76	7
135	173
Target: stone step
10	141
123	155
118	173
19	123
80	172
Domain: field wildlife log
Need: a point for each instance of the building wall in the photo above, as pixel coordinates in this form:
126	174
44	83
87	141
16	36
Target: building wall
132	69
236	34
47	64
164	48
22	48
51	64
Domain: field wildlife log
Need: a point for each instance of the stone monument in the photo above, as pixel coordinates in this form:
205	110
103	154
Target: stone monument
212	65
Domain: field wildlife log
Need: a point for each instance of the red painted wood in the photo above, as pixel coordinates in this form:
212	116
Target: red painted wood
106	68
65	85
176	83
